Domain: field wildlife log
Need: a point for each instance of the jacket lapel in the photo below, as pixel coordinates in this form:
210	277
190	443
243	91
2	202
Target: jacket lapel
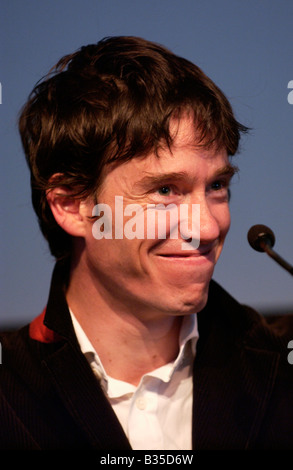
84	399
230	399
233	377
71	374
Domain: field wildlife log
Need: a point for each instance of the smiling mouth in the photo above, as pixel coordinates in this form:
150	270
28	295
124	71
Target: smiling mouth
205	252
183	255
186	255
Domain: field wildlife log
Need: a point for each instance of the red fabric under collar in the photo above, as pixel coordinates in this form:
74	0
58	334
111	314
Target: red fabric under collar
40	332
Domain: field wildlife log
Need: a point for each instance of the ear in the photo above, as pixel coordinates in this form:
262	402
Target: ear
67	211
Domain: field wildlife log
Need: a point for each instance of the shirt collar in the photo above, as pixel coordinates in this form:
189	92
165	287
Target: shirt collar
187	346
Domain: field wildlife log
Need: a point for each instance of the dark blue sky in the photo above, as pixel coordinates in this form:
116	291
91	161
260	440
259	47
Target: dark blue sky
245	47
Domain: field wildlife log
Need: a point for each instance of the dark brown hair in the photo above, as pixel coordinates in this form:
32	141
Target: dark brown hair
107	102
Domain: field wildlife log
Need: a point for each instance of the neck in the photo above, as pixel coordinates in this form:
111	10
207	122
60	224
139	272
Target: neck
129	341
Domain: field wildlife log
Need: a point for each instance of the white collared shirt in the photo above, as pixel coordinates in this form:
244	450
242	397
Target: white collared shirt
157	414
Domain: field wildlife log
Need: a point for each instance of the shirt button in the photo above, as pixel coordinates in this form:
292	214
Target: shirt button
141	403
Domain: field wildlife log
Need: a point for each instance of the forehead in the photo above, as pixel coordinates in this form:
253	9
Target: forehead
185	156
185	151
183	131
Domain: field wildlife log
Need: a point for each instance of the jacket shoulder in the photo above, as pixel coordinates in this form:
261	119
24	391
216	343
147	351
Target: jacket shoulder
33	415
267	332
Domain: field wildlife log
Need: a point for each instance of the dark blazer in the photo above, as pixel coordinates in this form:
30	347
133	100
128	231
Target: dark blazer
243	382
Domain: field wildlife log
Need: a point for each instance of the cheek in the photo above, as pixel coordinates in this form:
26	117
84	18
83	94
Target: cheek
224	220
227	221
111	257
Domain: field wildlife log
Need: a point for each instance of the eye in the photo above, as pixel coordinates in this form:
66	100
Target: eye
219	184
220	188
165	190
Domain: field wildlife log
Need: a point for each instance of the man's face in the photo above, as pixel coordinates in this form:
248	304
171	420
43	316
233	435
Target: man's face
152	277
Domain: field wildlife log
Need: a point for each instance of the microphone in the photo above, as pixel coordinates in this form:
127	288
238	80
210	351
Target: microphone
261	238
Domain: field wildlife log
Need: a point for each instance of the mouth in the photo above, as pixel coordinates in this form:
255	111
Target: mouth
204	251
192	257
180	255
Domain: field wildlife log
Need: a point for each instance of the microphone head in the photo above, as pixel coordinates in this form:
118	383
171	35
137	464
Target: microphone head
259	234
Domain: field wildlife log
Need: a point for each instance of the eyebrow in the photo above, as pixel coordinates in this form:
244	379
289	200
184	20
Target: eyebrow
154	179
227	170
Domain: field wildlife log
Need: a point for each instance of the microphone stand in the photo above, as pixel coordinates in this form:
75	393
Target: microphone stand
265	244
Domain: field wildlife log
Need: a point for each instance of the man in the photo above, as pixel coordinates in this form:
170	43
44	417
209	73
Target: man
138	347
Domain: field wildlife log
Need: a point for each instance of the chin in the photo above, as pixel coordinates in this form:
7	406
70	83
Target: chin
188	302
196	305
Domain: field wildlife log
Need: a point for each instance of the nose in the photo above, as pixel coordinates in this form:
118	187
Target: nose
209	224
197	222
